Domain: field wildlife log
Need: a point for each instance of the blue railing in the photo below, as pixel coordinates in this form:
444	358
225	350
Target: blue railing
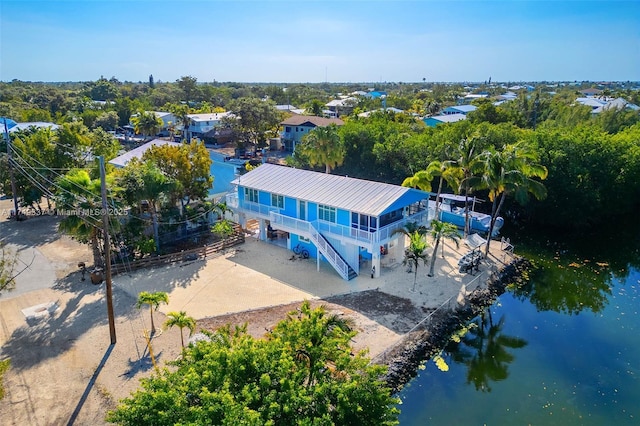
367	238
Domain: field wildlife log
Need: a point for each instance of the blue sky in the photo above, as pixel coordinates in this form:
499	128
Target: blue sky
316	41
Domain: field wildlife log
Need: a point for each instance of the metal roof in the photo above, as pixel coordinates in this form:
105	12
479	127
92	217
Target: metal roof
448	118
463	108
298	120
356	195
138	152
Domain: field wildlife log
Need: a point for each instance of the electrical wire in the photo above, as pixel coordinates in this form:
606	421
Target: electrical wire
44	167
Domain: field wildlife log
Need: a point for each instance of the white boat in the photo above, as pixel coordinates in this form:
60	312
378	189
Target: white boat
236	161
452	210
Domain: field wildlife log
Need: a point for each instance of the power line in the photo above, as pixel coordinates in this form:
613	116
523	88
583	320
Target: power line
56	185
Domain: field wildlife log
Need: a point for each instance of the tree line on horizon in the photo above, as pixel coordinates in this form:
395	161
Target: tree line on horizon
592	160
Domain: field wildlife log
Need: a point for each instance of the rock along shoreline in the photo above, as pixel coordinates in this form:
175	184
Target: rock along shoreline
420	345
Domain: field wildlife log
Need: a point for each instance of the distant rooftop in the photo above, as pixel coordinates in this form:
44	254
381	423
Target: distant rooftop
298	120
138	152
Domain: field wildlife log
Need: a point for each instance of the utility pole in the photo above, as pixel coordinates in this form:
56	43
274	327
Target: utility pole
11	175
107	252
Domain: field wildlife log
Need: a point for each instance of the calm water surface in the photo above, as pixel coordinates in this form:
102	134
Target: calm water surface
565	350
223	173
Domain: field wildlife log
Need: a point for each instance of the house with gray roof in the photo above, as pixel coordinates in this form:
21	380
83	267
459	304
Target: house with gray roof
616	104
349	223
138	152
296	126
199	124
443	119
459	109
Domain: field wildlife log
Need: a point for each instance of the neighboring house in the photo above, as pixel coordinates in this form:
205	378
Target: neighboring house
390	109
138	152
343	106
507	96
471	97
341	220
199	124
296	126
168	119
285	108
441	119
617	104
594	103
591	92
290	108
459	109
12	126
376	94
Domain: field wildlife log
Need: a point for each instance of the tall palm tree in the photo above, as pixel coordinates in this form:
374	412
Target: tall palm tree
147	123
415	253
311	335
510	171
78	194
412	227
322	146
180	320
463	169
181	112
153	300
438	231
423	178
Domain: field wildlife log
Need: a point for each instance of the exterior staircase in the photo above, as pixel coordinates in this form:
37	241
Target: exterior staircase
307	230
334	258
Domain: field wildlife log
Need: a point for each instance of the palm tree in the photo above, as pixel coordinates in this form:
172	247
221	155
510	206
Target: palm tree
412	227
415	253
153	300
180	320
511	171
438	231
322	146
422	179
463	169
311	335
147	123
181	112
79	194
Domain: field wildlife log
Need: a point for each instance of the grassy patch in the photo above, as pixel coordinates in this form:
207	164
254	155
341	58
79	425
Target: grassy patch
4	366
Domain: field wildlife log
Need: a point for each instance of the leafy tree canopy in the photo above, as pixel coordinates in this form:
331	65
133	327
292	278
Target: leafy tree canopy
252	120
303	373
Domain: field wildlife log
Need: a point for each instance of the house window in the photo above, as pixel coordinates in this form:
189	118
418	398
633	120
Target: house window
287	129
364	222
251	195
277	201
327	213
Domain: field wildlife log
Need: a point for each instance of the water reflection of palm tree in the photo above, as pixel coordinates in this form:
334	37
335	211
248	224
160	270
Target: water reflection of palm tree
485	352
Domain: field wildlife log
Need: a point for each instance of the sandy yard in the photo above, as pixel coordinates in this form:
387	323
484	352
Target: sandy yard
64	370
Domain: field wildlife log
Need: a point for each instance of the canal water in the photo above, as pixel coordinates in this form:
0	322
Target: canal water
564	350
223	173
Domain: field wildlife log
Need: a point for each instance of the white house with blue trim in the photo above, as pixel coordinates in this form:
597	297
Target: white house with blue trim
337	219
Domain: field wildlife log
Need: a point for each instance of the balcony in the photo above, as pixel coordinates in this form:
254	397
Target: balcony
349	234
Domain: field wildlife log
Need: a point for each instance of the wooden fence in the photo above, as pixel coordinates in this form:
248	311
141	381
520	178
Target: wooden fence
182	256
